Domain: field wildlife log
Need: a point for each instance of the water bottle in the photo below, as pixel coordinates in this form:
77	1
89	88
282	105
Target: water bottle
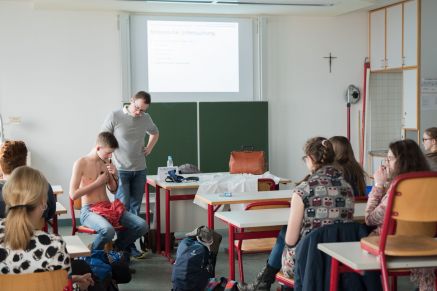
169	162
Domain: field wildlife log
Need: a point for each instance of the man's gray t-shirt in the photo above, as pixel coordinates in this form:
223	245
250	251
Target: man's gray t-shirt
130	133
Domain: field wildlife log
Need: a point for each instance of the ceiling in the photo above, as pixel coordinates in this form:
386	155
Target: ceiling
237	7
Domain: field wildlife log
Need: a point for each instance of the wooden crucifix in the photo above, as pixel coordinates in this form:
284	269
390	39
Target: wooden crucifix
330	61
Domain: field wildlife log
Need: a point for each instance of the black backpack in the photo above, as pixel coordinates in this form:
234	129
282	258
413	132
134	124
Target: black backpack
193	266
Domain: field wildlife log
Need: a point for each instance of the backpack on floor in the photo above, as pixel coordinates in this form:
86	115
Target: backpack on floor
192	268
221	284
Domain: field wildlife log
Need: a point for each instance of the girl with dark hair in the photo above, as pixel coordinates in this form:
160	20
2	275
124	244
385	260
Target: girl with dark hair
403	156
323	197
345	162
429	140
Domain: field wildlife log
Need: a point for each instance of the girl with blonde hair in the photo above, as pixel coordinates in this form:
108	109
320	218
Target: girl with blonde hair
23	247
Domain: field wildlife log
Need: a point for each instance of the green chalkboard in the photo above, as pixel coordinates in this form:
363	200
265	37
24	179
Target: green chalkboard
177	123
226	126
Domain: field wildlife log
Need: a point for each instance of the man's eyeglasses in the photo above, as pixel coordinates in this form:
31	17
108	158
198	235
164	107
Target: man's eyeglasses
304	158
424	139
138	108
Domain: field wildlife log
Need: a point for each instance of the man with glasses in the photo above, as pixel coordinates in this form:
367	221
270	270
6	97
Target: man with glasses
130	125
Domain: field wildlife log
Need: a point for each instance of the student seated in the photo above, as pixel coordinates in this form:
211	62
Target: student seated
403	156
23	247
91	176
429	140
13	154
323	197
345	161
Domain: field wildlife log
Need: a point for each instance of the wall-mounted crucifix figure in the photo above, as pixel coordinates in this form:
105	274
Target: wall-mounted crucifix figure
330	61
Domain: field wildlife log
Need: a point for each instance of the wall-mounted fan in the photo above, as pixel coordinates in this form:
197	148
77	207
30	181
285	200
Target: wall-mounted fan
352	97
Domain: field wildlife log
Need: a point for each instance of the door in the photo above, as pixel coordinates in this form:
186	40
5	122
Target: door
409	99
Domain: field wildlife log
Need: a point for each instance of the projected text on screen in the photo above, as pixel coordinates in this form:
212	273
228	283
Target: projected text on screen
193	56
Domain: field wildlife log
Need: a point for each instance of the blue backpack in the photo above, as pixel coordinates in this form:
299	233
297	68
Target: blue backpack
192	268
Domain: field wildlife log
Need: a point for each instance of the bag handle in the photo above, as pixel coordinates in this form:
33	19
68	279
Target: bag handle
247	148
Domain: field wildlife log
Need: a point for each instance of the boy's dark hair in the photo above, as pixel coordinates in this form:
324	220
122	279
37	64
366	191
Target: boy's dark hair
107	139
143	95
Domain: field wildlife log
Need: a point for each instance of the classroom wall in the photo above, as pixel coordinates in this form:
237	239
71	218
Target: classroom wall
305	100
60	72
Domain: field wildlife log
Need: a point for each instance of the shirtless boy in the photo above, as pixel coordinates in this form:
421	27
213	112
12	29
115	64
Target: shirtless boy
92	175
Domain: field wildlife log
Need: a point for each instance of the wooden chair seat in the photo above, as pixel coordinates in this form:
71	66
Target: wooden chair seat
43	281
399	245
257	245
289	282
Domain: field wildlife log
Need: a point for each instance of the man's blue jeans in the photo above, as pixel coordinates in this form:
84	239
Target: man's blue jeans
131	189
135	228
275	258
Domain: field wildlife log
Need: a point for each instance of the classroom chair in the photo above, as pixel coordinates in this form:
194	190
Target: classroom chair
267	184
43	281
77	205
259	245
411	201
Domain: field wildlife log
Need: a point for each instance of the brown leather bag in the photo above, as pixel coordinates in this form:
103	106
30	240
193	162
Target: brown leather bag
247	161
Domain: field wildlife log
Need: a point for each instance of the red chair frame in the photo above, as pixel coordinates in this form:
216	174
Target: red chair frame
75	228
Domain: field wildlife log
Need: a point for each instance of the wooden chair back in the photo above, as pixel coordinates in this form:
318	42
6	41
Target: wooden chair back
415	198
77	204
43	281
411	202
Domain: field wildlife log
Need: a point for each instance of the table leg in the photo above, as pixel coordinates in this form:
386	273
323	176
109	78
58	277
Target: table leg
147	194
210	216
333	285
55	224
167	223
158	219
231	252
55	219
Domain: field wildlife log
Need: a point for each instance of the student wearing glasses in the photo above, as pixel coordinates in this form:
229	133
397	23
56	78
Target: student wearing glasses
429	140
323	197
130	126
404	156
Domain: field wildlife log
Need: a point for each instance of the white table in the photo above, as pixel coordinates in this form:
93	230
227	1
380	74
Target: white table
217	199
169	187
60	209
75	246
57	189
259	218
351	255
